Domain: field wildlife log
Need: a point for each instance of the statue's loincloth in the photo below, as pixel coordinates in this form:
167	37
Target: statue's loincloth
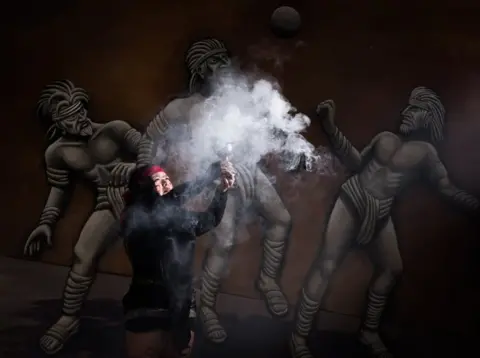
371	212
109	196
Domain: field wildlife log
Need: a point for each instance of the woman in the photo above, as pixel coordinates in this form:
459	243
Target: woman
160	242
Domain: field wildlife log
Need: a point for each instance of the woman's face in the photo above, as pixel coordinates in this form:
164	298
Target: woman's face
162	183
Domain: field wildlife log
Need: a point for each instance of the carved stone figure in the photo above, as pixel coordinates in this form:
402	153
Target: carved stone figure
203	59
361	214
105	155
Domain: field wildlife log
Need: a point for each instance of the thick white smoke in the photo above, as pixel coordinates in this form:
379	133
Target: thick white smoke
249	118
243	119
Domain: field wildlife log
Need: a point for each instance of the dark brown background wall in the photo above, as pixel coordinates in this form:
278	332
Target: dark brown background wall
129	56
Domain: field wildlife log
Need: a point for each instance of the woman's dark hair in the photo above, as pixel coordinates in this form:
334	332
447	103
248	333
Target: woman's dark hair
141	187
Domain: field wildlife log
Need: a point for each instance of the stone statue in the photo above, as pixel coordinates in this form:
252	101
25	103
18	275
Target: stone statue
204	59
105	154
361	215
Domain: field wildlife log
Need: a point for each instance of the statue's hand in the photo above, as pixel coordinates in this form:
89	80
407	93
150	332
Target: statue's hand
39	239
326	112
121	173
473	204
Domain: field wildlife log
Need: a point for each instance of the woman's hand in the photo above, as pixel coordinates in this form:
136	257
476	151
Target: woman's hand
227	175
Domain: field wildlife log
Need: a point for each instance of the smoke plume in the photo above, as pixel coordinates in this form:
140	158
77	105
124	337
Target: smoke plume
245	119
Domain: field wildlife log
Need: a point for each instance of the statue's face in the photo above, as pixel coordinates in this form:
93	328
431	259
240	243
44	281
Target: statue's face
77	124
215	64
414	118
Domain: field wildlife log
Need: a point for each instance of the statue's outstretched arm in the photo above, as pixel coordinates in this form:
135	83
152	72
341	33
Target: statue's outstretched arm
127	136
152	142
342	147
131	138
58	178
438	175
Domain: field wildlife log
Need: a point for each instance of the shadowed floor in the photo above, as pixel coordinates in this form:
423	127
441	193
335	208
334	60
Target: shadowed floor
30	302
102	332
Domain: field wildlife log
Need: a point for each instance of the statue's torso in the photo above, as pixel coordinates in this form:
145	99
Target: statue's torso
392	164
182	115
185	110
93	158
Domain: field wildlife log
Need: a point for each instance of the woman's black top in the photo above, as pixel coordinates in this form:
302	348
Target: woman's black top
160	242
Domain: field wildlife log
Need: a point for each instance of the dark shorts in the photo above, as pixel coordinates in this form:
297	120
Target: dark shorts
181	334
141	320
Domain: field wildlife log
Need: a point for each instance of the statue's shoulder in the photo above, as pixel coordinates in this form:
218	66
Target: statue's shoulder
386	134
385	137
428	148
179	106
114	123
114	127
179	95
55	151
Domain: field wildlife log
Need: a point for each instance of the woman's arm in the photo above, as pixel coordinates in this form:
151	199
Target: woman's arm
210	218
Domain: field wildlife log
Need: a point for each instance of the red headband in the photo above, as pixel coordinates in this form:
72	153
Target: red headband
127	196
154	169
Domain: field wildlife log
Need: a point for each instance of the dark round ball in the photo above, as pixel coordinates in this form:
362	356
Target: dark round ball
285	21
